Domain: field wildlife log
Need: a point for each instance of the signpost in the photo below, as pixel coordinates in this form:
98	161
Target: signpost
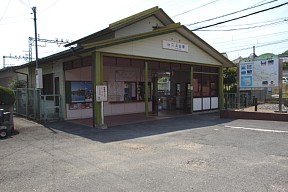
101	96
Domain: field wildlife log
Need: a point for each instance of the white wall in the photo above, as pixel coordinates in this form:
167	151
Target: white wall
152	47
142	26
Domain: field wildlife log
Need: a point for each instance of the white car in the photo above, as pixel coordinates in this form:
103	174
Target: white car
284	79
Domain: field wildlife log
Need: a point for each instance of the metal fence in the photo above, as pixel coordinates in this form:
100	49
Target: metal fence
231	100
50	107
31	104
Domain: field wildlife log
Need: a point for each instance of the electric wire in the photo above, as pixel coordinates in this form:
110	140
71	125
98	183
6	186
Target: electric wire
254	23
257	12
5	10
249	38
257	46
244	28
254	6
195	8
25	4
54	3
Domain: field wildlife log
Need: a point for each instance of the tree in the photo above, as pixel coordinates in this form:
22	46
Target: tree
285	64
229	75
284	53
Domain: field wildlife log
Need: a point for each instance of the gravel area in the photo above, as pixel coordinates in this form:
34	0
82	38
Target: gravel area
267	108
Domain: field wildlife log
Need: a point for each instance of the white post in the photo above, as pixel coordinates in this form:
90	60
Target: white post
102	112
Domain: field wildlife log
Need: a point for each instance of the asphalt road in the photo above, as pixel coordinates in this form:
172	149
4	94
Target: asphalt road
192	153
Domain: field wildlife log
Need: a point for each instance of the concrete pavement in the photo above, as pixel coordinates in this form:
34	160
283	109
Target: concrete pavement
190	153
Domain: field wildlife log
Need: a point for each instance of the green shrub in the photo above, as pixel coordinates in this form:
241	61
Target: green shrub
17	84
7	96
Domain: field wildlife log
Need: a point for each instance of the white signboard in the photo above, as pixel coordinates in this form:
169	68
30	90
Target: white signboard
260	72
101	93
175	46
39	79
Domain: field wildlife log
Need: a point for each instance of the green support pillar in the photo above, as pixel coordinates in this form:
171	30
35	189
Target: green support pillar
97	77
191	89
221	92
146	89
155	93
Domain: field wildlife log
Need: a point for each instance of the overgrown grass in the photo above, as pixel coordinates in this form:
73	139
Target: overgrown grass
284	90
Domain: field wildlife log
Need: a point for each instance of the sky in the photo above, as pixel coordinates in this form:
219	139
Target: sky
72	20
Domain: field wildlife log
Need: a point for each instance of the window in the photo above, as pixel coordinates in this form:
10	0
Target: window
197	88
141	91
47	84
214	85
205	85
130	91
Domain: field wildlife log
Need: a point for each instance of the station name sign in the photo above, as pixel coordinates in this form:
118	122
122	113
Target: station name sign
174	46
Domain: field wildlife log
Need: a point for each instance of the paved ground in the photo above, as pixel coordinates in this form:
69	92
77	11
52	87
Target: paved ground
191	153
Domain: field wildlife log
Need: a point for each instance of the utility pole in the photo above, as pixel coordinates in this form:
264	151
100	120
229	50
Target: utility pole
13	57
35	29
38	73
31	40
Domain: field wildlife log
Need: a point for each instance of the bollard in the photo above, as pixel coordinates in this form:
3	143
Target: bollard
245	101
226	102
255	101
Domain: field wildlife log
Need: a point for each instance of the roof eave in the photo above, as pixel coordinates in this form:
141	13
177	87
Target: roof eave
129	38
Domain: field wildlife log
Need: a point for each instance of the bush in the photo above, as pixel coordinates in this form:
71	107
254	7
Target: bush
7	96
17	84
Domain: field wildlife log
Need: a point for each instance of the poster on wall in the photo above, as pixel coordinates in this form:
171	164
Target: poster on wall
76	106
81	91
260	72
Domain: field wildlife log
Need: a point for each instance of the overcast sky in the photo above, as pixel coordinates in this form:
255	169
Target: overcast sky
71	20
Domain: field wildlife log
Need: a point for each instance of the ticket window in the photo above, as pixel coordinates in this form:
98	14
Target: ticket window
130	91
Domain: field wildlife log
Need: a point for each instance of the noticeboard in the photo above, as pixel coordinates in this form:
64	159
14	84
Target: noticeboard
101	93
259	73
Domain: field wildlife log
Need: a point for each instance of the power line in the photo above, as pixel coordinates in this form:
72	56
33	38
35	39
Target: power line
247	24
263	45
219	23
5	11
195	8
25	4
55	2
254	6
253	37
244	28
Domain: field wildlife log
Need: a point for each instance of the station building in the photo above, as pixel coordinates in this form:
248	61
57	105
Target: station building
149	64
